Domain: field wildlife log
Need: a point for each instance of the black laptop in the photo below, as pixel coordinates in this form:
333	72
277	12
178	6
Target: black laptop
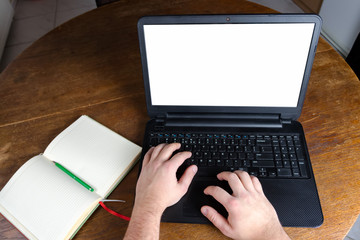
230	89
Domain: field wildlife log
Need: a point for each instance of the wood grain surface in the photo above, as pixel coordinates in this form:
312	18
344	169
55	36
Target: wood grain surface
91	65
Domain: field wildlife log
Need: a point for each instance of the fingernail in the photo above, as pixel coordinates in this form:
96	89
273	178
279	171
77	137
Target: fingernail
204	211
194	168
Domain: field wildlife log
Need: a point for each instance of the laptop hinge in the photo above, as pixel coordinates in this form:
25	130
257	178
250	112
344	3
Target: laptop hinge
286	121
220	120
160	122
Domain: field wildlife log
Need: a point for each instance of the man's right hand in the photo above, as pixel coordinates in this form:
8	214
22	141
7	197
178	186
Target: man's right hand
251	215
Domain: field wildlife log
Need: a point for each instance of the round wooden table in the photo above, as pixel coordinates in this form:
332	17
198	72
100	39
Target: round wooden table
91	65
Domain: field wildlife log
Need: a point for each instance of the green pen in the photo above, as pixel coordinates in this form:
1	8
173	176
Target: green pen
73	176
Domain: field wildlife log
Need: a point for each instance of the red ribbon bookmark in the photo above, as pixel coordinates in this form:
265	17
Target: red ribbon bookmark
113	212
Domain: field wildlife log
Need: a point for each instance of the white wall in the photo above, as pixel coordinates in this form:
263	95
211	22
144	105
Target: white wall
6	15
341	23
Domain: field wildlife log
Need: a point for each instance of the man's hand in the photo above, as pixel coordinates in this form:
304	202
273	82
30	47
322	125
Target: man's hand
251	215
157	187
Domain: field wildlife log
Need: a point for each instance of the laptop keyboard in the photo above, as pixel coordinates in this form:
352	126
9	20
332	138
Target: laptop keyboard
264	156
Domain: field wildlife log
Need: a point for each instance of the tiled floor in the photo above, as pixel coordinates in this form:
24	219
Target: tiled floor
354	233
34	18
283	6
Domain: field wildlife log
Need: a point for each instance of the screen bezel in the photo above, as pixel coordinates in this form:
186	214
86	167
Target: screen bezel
292	113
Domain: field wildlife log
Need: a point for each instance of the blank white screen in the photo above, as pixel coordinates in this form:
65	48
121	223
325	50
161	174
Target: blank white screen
253	65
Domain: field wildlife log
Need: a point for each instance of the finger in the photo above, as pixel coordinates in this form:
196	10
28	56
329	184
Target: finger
218	193
217	219
257	184
233	180
179	158
157	151
147	156
187	177
246	180
167	151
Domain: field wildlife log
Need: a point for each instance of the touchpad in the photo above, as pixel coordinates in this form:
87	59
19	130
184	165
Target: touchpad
196	198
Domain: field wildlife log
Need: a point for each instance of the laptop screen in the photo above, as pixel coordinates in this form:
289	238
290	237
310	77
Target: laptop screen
236	65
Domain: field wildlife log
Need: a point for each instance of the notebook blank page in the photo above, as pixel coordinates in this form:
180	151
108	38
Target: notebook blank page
94	153
44	199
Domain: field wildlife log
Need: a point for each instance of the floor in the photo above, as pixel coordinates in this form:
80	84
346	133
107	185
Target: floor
34	18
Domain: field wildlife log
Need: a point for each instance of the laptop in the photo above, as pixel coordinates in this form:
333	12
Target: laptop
230	89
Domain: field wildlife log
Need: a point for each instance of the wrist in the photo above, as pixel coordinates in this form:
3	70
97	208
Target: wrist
148	209
144	222
280	234
284	235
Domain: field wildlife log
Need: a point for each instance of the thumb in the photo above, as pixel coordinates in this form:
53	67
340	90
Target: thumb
217	219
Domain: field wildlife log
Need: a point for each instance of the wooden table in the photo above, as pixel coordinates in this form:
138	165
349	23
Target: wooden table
91	65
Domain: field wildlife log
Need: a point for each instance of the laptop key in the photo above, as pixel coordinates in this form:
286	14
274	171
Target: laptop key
263	164
266	149
272	173
284	172
263	174
229	163
302	169
263	142
264	156
253	171
211	162
202	162
296	172
299	153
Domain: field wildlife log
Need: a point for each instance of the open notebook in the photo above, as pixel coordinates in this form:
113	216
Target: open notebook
44	202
